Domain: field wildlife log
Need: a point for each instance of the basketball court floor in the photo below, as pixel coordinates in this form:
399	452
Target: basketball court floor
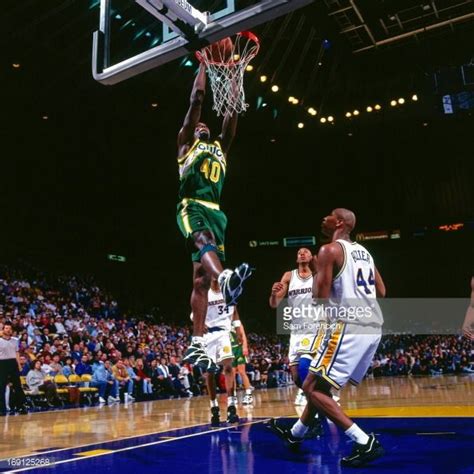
426	425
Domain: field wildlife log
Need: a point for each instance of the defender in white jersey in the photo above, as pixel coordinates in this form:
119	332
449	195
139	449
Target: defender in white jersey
297	285
220	319
347	281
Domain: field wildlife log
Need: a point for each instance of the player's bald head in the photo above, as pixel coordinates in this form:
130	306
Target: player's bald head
347	216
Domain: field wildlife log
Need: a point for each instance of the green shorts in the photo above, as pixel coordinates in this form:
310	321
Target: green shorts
239	357
194	215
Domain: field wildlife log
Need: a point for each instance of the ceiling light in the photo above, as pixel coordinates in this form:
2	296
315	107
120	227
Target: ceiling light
356	112
393	103
330	118
401	100
323	120
414	97
348	114
301	125
377	107
249	68
369	109
275	88
263	78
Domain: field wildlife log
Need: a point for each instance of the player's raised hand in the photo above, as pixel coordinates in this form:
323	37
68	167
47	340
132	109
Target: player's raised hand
277	287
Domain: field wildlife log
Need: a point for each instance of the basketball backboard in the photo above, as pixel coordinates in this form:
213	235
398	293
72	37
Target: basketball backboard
135	36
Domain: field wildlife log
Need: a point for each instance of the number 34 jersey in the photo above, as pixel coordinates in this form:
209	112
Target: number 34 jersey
202	172
218	316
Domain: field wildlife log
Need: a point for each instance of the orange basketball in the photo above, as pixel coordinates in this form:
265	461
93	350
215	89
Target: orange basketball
222	50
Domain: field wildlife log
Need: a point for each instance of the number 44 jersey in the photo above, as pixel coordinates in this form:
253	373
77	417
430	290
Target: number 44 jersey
353	288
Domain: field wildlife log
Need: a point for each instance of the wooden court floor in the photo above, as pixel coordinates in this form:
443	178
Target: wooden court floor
440	396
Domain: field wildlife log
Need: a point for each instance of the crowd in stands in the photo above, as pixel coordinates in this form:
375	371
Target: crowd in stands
69	326
423	355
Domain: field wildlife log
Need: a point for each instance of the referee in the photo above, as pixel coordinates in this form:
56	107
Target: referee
9	371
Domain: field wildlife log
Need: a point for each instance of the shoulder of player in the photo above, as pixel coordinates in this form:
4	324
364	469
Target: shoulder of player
329	251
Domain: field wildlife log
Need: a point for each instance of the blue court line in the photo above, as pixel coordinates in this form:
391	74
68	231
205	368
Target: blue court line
124	439
117	446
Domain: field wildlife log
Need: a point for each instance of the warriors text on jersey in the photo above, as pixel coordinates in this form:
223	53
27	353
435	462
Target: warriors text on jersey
202	172
217	313
300	290
354	285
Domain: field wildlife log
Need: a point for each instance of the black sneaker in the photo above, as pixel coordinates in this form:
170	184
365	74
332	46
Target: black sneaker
196	355
23	411
215	420
232	416
231	282
315	430
363	453
284	433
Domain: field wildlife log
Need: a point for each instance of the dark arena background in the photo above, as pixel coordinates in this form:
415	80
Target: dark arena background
89	171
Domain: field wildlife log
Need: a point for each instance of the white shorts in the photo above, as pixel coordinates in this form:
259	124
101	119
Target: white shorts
218	346
302	344
346	354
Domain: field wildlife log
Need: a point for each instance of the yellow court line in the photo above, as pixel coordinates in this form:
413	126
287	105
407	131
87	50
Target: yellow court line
94	452
424	411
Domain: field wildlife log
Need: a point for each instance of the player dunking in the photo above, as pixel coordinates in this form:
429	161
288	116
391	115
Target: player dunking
297	285
348	277
202	166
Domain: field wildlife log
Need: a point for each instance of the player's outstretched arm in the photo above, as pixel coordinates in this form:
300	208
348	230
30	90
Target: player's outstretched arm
185	136
380	290
468	325
229	129
279	290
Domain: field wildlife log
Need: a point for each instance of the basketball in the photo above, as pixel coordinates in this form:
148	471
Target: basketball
222	50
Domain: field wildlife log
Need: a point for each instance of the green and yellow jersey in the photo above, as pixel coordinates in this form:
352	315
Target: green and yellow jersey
202	172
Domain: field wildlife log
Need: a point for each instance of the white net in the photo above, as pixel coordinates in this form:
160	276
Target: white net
226	71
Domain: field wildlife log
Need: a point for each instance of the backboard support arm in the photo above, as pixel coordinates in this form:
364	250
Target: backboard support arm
194	37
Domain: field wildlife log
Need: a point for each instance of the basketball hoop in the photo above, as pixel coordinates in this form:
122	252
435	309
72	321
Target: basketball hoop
226	68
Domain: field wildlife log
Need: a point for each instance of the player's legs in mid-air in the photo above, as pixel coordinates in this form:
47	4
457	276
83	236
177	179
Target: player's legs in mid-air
207	264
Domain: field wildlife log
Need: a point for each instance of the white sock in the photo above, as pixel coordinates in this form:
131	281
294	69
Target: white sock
248	391
357	435
214	403
300	392
231	401
299	430
197	340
